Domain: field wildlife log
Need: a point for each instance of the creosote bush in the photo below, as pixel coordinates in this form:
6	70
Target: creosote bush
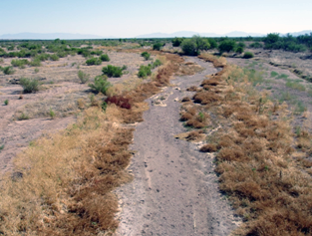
248	55
83	77
144	71
104	57
8	70
113	71
157	46
29	85
94	61
194	46
146	55
100	84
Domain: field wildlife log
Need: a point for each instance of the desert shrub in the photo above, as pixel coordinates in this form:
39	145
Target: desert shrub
54	57
119	101
227	46
213	43
35	62
19	63
83	77
51	113
61	54
96	52
43	57
100	84
36	70
239	50
112	71
241	44
146	55
256	45
29	85
104	57
6	102
144	71
8	70
193	46
248	55
94	61
157	46
156	63
176	42
84	52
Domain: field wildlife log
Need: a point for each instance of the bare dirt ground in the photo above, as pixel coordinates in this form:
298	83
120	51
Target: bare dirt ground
175	189
60	91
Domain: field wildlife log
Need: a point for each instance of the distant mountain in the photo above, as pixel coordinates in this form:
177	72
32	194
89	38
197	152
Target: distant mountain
295	34
191	33
50	36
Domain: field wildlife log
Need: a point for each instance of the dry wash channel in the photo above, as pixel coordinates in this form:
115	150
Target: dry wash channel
62	184
175	190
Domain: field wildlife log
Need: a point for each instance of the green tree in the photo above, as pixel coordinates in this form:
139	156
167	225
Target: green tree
194	45
227	46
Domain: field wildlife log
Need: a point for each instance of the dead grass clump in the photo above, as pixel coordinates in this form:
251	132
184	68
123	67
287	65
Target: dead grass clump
192	89
206	97
268	183
217	62
189	68
209	148
194	136
186	116
186	99
119	101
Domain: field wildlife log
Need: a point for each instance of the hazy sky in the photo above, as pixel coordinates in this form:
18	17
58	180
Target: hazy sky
129	18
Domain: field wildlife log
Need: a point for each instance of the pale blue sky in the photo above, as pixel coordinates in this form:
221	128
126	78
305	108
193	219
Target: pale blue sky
129	18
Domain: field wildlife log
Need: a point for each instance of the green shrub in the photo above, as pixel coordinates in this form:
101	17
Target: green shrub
8	70
43	57
176	42
213	43
94	61
97	52
248	55
35	62
144	71
104	57
83	77
241	44
156	63
51	113
112	71
29	85
36	70
100	84
6	102
256	45
54	57
23	116
274	73
19	63
193	46
157	46
239	50
227	46
146	55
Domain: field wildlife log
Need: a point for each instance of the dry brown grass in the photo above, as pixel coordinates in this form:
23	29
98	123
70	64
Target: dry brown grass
269	188
62	183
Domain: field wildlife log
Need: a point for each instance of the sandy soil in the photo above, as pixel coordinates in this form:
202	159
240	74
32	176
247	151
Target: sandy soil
175	190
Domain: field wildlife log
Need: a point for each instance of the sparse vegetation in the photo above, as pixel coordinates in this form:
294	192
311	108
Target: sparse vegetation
6	102
248	55
84	77
104	57
144	71
94	61
19	63
8	70
146	55
112	71
30	85
100	84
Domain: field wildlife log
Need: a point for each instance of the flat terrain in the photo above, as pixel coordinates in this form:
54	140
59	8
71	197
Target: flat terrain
61	92
175	190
